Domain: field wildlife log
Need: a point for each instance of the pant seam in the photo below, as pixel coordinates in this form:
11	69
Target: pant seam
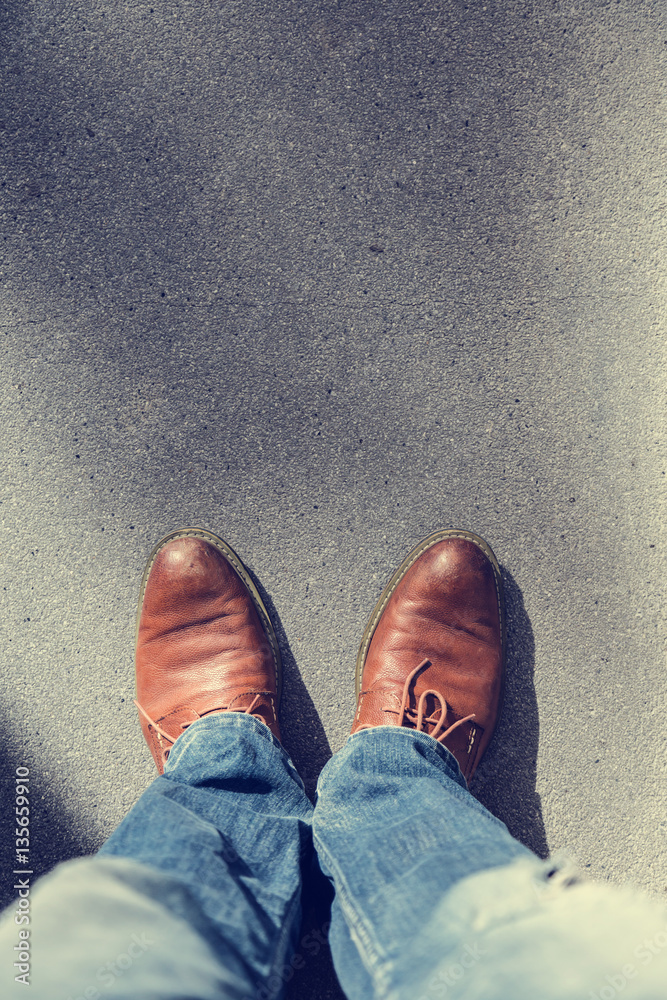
280	952
372	955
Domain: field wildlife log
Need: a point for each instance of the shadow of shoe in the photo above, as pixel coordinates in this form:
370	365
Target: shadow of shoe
311	975
505	781
302	732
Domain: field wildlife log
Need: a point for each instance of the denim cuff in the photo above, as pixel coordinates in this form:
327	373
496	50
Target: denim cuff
212	734
392	748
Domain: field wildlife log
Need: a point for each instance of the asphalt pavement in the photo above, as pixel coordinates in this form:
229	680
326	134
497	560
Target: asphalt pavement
324	277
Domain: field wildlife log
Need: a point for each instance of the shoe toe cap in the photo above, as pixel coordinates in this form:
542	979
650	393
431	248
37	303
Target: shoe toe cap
190	564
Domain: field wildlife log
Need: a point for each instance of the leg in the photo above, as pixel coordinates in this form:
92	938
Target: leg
229	819
395	829
434	898
196	894
206	870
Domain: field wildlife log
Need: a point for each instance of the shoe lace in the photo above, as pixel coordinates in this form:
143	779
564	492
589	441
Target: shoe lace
417	717
163	735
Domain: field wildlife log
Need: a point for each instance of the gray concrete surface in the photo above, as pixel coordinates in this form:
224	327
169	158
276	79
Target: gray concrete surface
325	277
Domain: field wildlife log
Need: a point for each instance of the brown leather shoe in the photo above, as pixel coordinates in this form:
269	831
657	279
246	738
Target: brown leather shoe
204	640
432	655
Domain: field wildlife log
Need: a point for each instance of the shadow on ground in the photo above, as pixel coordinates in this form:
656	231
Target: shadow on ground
302	732
53	837
506	779
311	975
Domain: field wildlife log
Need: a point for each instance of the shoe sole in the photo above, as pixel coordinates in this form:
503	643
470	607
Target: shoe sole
235	562
433	539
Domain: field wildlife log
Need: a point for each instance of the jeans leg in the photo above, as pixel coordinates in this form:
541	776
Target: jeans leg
231	818
220	843
434	898
395	828
111	928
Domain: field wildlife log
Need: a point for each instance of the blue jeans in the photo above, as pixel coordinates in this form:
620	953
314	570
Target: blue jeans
197	894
